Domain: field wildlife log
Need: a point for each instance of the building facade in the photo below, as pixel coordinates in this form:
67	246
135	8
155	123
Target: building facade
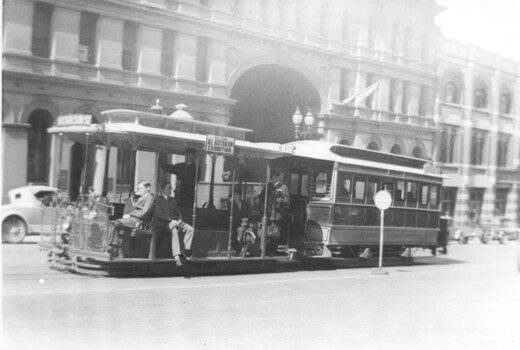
254	64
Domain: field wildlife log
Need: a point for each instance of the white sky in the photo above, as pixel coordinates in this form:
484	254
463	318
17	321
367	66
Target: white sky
493	25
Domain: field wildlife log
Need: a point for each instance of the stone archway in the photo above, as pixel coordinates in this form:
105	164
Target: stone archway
267	97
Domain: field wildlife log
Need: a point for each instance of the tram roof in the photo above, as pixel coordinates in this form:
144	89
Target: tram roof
361	157
153	139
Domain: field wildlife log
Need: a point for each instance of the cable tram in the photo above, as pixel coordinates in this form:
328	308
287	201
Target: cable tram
331	217
332	197
145	140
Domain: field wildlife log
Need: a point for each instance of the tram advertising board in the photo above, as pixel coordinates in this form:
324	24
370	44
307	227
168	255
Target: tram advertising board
220	144
74	119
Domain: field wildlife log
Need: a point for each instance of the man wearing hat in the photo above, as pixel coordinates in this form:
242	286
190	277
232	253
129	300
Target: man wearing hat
185	184
277	212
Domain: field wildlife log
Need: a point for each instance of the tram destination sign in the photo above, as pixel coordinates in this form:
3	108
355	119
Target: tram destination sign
74	119
220	144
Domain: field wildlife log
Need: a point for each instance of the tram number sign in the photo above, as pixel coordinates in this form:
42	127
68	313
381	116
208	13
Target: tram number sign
74	119
220	144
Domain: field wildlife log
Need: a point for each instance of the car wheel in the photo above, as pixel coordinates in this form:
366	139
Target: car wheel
13	230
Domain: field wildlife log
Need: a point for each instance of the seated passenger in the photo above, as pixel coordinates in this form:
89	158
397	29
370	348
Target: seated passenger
240	218
142	202
167	216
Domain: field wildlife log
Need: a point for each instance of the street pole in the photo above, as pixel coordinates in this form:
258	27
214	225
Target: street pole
382	199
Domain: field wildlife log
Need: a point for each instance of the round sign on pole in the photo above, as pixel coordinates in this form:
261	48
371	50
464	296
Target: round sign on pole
383	200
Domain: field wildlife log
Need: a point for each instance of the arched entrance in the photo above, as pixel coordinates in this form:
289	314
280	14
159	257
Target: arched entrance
39	144
267	97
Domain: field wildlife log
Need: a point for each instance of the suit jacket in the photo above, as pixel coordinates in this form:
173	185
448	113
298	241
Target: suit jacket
143	207
166	209
185	189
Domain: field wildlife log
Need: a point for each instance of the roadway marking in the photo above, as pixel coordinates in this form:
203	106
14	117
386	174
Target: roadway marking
211	285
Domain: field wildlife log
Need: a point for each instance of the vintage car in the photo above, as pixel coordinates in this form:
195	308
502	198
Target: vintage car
471	230
24	213
499	229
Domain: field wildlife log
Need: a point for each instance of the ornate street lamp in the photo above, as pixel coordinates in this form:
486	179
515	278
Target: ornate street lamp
297	120
308	121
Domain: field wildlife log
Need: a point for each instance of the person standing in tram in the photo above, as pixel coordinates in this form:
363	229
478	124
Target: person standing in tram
167	216
277	212
185	184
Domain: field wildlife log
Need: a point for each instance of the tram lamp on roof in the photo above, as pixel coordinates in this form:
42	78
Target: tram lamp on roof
181	112
157	108
308	121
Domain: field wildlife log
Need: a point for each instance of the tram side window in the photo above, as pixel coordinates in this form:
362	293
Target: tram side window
411	194
372	188
434	197
399	193
359	188
423	203
344	190
321	185
388	185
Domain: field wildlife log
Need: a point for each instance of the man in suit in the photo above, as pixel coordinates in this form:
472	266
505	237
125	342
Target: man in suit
185	184
277	212
142	205
167	216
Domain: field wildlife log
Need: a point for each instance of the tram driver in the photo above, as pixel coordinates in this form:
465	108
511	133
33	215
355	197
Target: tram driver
167	216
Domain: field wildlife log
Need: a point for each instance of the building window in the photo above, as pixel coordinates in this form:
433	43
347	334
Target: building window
324	20
417	152
407	42
41	30
343	84
370	98
236	7
395	38
38	146
344	28
447	145
282	8
168	41
405	97
202	59
478	140
505	103
344	142
263	11
476	198
392	95
448	200
371	35
373	146
423	100
450	92
129	59
501	201
425	51
502	149
480	97
396	149
87	37
204	3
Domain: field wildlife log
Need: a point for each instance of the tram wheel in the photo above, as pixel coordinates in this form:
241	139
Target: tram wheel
14	230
